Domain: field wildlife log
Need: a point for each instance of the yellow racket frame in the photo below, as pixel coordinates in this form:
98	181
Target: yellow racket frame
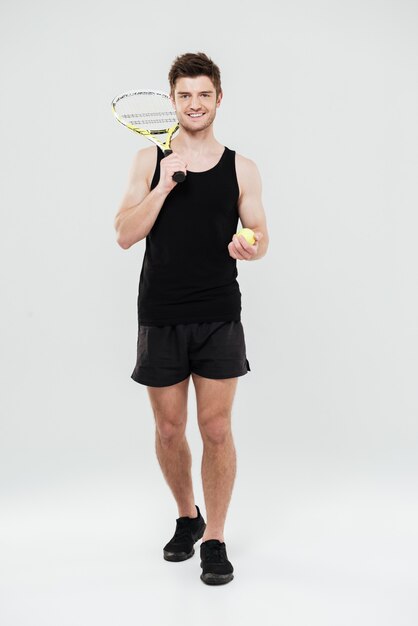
149	134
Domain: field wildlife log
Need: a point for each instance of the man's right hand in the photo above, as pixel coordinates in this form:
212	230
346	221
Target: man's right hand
168	165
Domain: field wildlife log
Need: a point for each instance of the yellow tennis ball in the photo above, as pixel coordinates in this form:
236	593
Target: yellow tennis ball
248	234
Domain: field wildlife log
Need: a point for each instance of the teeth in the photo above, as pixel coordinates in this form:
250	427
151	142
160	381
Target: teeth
195	114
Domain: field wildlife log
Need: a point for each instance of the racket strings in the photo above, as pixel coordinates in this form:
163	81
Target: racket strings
147	120
147	112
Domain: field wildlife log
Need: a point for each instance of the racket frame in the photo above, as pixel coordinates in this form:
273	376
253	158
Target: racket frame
150	134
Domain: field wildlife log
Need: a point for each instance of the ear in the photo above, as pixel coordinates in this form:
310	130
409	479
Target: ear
219	99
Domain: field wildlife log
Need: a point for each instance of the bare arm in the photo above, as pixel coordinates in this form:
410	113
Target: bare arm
140	206
251	213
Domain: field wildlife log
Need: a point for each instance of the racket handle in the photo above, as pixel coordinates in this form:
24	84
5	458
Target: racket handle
178	177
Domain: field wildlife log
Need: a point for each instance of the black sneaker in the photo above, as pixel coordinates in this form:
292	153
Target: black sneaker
188	531
217	570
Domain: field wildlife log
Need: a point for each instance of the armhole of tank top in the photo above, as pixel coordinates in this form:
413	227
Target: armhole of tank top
156	176
233	158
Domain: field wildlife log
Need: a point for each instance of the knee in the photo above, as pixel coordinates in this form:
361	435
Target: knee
169	428
215	430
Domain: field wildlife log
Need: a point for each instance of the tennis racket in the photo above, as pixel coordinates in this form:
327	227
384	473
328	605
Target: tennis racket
151	114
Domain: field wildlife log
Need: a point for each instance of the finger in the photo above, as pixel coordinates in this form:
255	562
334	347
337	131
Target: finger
244	243
233	252
258	235
247	248
238	243
174	161
241	247
238	257
174	167
250	251
172	156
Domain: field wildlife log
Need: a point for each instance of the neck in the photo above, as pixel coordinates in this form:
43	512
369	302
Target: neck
197	142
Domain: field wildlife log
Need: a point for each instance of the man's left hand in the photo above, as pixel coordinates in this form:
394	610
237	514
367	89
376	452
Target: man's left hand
240	249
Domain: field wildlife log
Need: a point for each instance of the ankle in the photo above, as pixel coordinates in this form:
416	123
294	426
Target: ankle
213	535
188	512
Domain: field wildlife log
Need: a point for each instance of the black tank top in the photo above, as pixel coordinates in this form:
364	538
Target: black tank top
187	274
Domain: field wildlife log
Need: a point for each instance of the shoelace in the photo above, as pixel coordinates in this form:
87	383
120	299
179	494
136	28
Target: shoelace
215	554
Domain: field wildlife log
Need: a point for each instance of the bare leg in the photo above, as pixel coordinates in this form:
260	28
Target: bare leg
214	405
170	412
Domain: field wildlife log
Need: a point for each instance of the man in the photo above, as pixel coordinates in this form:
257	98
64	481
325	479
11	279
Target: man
189	301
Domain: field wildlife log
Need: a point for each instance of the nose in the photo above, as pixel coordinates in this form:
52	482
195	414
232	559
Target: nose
195	104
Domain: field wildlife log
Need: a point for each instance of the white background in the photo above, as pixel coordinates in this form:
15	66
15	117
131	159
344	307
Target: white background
323	522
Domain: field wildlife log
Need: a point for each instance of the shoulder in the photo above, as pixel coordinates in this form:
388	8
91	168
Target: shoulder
144	162
244	161
247	171
145	159
140	175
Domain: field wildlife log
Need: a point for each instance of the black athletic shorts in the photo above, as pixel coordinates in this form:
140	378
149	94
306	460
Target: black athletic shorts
166	355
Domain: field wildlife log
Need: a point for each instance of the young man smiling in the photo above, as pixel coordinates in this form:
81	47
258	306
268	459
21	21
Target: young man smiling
189	302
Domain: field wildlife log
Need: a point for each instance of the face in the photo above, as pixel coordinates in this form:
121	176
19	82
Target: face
195	102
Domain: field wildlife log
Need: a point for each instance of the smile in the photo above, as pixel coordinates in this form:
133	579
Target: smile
195	114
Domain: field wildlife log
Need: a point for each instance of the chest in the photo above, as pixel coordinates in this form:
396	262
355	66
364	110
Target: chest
202	163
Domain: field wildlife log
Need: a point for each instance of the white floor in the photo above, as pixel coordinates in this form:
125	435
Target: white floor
313	552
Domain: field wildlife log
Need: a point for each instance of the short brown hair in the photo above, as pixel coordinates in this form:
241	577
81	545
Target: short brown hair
194	64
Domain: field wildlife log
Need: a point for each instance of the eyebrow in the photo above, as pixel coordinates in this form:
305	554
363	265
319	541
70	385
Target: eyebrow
182	93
